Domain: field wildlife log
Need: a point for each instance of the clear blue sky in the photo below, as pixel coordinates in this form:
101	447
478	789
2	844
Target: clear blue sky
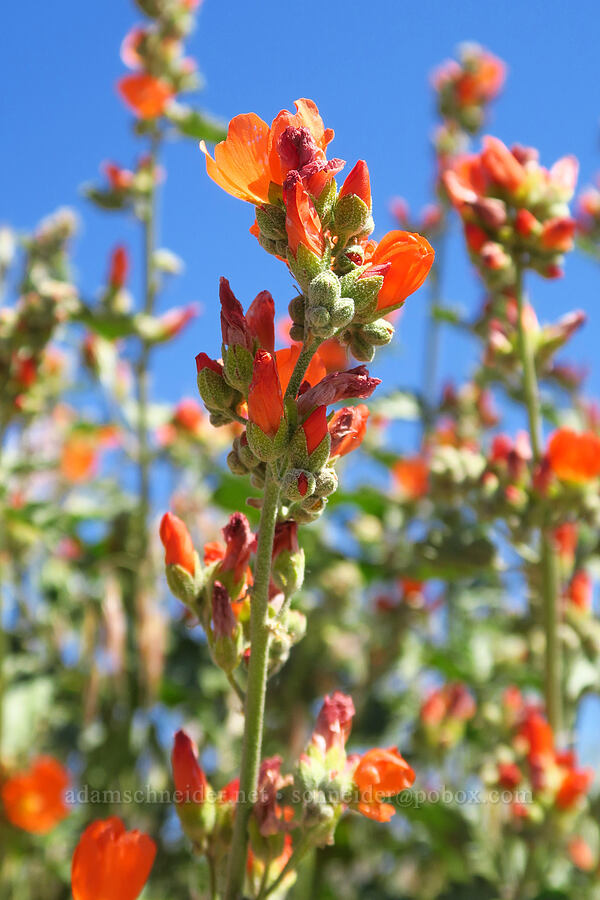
367	67
366	64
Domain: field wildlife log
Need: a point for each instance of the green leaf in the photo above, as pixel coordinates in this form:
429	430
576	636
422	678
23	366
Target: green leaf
199	125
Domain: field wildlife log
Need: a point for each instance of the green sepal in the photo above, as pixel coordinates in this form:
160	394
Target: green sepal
271	222
238	363
288	571
228	651
325	201
320	454
351	216
342	313
326	482
265	447
197	820
378	333
324	290
216	393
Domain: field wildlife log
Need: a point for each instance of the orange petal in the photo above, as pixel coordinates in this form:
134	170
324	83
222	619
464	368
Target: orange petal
240	165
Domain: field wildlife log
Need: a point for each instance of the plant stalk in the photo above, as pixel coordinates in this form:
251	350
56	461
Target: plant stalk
550	593
143	363
256	689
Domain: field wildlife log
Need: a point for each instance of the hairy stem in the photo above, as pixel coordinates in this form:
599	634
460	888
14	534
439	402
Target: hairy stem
550	598
309	348
256	689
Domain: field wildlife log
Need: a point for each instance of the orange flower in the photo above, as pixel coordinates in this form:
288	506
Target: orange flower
179	549
79	457
574	785
412	476
573	456
286	361
381	774
409	258
332	355
146	95
247	161
580	590
302	222
483	84
557	234
581	854
188	415
35	800
348	428
306	116
265	398
119	267
501	165
110	863
538	736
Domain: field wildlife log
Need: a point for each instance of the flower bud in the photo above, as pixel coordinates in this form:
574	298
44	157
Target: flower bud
227	648
298	484
179	549
196	813
357	183
180	558
324	290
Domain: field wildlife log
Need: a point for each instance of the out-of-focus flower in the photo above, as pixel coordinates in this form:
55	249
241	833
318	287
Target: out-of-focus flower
34	800
146	96
411	475
380	775
574	457
580	590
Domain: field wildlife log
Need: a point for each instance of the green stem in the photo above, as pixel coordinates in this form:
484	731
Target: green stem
256	689
550	593
309	348
143	363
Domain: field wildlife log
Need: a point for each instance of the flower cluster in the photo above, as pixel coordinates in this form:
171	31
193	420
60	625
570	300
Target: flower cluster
466	87
291	813
29	363
348	283
514	211
155	54
533	767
